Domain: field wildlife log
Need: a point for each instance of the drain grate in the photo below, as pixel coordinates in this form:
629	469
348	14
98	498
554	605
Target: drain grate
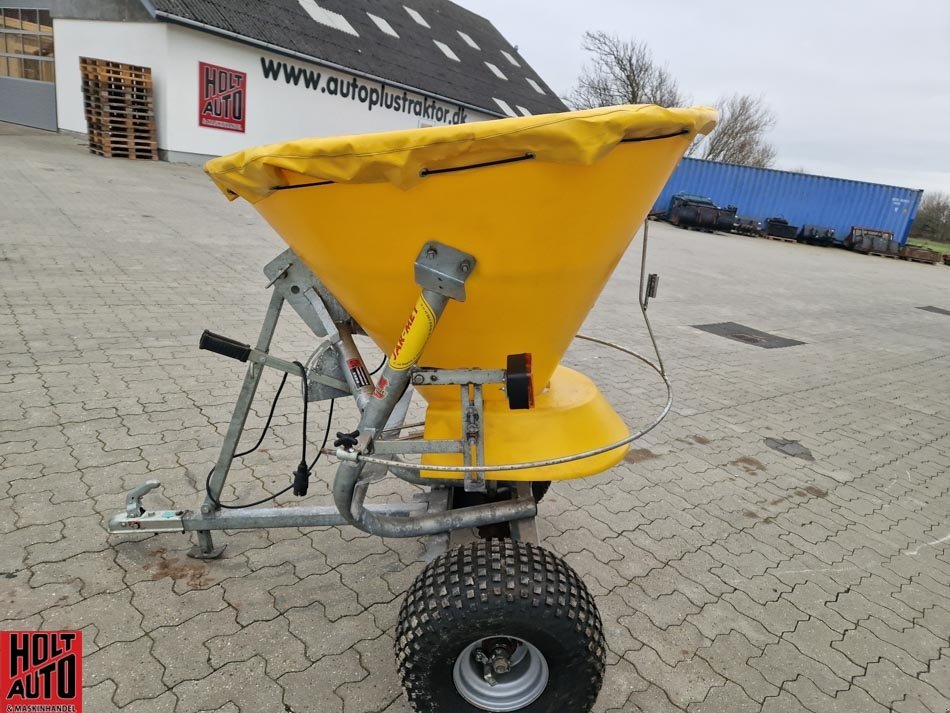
938	310
747	335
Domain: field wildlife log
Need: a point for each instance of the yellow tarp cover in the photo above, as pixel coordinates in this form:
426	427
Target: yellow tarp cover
398	157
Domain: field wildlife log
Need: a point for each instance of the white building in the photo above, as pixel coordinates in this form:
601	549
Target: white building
229	74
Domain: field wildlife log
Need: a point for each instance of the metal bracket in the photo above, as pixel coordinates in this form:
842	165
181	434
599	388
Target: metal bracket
473	434
325	378
291	279
443	270
648	284
525	530
440	501
423	376
653	281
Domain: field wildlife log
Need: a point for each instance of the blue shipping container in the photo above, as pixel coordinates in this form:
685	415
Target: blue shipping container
800	198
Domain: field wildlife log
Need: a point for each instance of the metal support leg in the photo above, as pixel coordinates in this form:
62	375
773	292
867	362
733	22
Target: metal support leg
526	529
205	548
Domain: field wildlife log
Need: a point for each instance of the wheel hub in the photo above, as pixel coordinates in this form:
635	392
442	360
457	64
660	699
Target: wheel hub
501	674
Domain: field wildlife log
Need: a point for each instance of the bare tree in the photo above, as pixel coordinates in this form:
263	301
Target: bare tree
740	135
933	218
622	72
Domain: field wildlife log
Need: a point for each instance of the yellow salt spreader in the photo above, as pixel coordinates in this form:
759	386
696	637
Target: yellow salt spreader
471	255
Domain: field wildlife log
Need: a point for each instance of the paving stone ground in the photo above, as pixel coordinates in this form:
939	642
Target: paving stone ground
779	544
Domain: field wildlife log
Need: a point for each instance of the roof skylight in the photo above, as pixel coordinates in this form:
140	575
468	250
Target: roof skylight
468	40
383	25
535	85
497	72
524	112
328	17
416	16
510	58
505	107
446	50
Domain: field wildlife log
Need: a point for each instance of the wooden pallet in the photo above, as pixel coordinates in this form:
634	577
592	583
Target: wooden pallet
120	95
106	144
124	103
923	255
90	66
121	104
783	240
122	132
128	123
120	109
875	254
131	154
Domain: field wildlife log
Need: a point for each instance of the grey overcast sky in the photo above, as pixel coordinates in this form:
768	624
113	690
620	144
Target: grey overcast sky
861	88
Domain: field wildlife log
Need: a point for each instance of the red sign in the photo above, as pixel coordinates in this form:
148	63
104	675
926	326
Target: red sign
222	97
41	671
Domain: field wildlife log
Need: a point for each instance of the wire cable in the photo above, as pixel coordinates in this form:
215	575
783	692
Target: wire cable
381	365
270	417
267	425
326	436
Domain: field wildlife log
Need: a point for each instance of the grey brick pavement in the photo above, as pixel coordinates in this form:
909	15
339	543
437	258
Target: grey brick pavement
734	574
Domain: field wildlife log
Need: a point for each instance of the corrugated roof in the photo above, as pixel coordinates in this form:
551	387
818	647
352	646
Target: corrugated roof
411	59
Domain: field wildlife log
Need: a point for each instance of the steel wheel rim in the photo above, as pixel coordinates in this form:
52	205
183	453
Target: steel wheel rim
517	689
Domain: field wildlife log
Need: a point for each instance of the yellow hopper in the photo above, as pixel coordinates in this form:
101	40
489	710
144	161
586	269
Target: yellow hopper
546	204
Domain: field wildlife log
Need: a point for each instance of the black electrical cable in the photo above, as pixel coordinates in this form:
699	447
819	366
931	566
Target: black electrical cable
303	444
326	436
270	416
326	433
218	503
381	365
301	481
260	440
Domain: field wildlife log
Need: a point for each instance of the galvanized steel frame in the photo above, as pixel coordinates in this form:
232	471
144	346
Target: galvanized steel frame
441	272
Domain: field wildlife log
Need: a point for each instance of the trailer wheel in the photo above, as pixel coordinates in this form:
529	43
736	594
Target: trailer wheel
500	626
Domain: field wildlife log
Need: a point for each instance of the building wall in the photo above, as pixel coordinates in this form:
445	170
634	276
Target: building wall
298	99
141	43
800	198
278	108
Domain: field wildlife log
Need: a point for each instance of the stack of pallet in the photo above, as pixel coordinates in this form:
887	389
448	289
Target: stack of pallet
909	252
120	109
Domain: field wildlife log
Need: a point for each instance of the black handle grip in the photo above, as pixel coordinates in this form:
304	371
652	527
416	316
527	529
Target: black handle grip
225	346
